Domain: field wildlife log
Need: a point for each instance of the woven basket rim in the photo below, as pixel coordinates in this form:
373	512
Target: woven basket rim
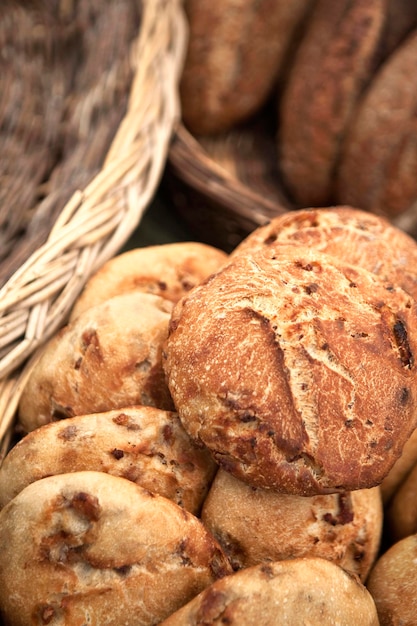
96	221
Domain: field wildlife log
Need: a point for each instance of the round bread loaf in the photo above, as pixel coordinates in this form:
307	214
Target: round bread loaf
360	238
393	582
299	591
296	370
143	444
169	270
107	358
333	64
350	234
378	161
91	548
258	525
236	52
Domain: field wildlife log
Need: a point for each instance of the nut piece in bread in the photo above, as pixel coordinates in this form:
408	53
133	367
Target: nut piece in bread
259	525
107	358
143	444
393	582
296	370
294	592
91	548
167	270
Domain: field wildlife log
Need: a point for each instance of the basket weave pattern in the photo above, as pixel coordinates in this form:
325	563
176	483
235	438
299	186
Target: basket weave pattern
97	220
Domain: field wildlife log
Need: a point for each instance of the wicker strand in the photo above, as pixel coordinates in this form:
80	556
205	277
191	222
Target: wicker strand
97	221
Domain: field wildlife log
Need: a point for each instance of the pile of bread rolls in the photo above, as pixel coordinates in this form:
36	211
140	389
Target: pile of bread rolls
224	439
338	76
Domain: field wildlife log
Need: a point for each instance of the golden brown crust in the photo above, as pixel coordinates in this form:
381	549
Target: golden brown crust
167	270
378	163
392	584
107	358
400	470
235	54
349	234
143	444
258	525
88	547
299	591
333	64
278	363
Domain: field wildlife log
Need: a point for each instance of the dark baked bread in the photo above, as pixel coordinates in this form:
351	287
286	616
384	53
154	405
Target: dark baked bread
378	161
278	363
333	64
235	54
143	444
167	270
91	548
259	525
294	592
107	358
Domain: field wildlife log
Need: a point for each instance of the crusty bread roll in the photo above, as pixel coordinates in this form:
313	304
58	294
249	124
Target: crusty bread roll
306	591
350	234
107	358
143	444
259	525
393	582
167	270
297	371
91	548
359	238
378	160
333	65
236	52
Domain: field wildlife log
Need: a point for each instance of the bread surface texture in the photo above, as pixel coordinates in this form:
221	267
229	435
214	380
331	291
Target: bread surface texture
166	270
296	370
144	444
107	358
259	525
91	548
299	591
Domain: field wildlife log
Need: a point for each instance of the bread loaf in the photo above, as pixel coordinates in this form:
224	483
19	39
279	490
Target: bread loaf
259	525
333	64
378	161
296	370
166	270
107	358
392	584
91	548
294	592
143	444
235	54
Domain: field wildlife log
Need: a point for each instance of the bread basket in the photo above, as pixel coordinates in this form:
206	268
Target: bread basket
95	219
223	199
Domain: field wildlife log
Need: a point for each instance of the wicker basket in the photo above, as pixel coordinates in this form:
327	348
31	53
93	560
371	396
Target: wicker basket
95	219
219	193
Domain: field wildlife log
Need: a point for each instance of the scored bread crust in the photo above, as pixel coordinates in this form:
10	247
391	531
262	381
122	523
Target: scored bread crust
293	592
296	370
91	548
350	234
143	444
107	358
